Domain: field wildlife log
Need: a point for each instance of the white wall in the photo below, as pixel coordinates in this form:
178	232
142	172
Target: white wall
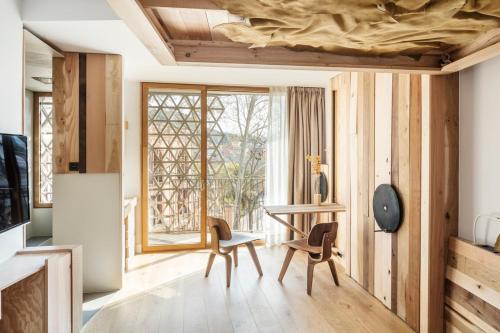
11	95
88	211
479	185
203	75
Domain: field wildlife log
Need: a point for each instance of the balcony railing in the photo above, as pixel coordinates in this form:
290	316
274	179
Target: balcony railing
175	208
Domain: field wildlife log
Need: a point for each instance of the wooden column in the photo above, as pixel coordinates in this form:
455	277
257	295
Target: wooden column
88	109
443	192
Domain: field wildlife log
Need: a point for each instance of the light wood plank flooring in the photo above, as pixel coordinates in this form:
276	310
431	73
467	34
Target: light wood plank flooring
168	293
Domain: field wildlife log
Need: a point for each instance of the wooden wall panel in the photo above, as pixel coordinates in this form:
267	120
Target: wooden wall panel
341	171
473	285
383	241
100	120
403	188
353	163
65	97
23	305
408	136
96	112
113	143
424	206
443	188
412	286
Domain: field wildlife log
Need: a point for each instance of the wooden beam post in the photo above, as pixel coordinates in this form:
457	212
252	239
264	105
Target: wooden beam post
440	177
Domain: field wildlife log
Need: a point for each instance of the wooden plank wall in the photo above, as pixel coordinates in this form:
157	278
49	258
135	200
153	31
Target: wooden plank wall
472	288
378	124
88	111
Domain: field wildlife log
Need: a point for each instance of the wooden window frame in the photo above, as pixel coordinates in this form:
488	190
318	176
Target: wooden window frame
36	150
204	90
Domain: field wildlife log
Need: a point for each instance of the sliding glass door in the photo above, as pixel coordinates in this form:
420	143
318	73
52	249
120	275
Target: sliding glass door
203	154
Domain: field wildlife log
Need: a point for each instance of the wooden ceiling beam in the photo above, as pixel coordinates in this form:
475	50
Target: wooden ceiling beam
278	56
485	47
191	4
139	22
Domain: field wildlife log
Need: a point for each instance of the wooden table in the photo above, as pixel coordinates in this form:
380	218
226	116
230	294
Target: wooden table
274	211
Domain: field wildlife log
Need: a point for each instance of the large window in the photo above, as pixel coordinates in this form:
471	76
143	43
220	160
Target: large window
203	154
42	149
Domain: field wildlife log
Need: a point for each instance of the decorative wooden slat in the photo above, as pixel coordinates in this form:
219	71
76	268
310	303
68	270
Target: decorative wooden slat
473	286
65	103
412	290
353	130
476	310
443	189
456	323
424	207
473	252
113	142
403	189
489	275
96	112
341	171
383	241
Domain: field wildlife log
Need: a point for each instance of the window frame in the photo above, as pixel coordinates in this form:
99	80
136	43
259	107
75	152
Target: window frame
36	149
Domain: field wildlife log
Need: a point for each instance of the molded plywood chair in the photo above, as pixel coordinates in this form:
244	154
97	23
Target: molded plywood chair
224	242
318	245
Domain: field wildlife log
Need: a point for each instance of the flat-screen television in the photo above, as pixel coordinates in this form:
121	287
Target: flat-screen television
14	185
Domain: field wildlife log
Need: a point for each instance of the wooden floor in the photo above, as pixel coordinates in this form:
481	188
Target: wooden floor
168	293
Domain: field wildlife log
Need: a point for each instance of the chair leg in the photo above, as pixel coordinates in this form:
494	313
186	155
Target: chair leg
310	273
284	268
235	255
228	269
251	249
334	272
209	264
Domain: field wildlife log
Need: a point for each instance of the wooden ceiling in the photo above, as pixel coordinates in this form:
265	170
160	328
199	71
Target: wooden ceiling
183	31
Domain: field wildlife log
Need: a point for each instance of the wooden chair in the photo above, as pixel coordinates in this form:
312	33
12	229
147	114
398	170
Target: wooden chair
224	242
319	248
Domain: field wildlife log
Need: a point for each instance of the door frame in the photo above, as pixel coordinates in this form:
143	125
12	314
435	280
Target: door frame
204	90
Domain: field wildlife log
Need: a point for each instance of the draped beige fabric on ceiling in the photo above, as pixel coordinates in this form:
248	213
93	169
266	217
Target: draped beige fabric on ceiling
306	117
361	27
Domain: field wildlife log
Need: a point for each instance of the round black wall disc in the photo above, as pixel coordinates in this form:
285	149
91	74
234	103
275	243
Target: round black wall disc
386	208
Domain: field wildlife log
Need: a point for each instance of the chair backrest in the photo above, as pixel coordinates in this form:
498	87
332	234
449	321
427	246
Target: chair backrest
324	235
219	230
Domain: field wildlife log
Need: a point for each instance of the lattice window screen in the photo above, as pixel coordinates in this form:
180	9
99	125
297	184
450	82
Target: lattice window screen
174	137
45	149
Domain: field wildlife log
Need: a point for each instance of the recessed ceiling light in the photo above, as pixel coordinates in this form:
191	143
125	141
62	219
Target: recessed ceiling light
44	80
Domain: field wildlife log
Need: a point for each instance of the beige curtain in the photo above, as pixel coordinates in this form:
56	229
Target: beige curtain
306	115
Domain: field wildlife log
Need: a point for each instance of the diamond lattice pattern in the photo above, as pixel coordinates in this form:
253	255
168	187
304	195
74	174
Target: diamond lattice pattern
46	127
174	137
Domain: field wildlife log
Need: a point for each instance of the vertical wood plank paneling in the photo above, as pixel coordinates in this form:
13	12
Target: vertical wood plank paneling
443	188
414	210
383	241
96	112
65	103
341	170
395	183
363	135
370	227
100	88
424	226
403	189
353	148
113	143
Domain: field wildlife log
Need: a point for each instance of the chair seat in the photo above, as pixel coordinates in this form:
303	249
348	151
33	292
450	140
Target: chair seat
301	245
238	238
